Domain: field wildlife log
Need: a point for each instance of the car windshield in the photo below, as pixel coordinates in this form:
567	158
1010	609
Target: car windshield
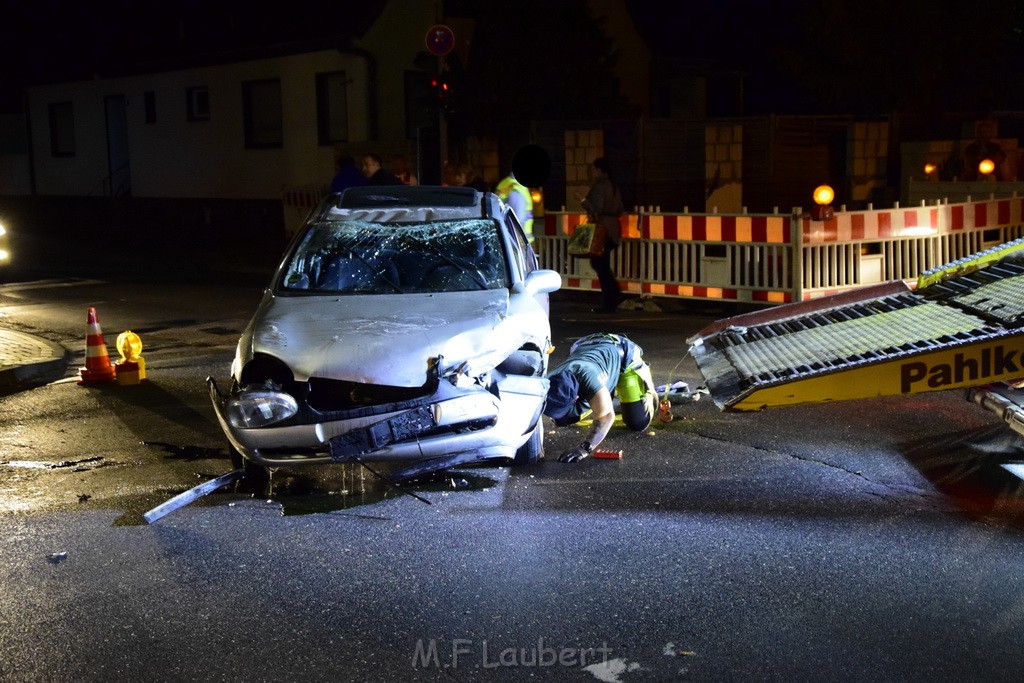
360	257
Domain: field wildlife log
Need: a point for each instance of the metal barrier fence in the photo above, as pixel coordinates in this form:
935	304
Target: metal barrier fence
775	258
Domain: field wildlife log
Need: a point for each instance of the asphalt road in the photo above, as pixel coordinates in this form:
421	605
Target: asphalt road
874	540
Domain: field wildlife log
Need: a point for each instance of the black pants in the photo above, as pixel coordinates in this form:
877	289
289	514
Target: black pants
610	292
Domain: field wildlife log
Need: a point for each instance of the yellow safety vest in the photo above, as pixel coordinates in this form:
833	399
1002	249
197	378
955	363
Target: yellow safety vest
508	185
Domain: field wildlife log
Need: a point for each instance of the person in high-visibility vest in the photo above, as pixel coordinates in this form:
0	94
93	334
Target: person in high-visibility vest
598	366
517	196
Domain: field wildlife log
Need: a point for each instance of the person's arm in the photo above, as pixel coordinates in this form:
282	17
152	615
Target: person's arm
603	416
594	202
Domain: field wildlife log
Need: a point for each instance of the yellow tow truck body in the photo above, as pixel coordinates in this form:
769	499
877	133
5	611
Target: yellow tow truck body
961	326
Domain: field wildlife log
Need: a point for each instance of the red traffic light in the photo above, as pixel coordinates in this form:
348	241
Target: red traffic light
439	86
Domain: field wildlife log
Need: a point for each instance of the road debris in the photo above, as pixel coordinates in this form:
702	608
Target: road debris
183	499
56	558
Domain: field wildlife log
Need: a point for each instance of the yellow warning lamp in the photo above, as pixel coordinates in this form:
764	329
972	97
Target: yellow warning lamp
986	166
131	369
537	196
823	196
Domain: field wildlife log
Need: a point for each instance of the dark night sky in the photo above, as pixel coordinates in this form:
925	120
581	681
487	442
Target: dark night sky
53	40
875	54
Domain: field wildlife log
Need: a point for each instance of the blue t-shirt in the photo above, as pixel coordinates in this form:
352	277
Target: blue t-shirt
594	366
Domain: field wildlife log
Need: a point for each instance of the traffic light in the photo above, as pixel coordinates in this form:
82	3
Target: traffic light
440	87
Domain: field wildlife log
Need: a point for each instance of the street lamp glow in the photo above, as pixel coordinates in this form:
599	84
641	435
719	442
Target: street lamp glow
823	194
929	169
986	166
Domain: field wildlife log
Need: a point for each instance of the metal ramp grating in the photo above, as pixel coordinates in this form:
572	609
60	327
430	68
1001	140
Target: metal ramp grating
995	293
962	325
832	340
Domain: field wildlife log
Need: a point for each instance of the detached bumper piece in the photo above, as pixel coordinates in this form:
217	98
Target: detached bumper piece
373	437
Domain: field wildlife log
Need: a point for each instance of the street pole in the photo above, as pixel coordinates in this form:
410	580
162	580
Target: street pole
442	124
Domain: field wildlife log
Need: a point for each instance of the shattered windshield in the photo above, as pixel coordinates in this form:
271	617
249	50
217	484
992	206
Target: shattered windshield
360	257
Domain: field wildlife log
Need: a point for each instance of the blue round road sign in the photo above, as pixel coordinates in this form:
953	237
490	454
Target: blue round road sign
440	40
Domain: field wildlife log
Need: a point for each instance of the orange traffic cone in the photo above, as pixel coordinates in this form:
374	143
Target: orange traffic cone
97	361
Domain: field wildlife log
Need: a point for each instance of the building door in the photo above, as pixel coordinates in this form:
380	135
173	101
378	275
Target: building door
119	178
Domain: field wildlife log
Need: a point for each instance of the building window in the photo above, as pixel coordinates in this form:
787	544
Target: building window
197	103
62	129
149	105
332	107
261	109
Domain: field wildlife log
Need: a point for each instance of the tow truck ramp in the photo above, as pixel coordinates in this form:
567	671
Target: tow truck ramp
960	326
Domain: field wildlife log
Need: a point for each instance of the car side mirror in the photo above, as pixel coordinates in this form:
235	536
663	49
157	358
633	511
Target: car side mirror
542	282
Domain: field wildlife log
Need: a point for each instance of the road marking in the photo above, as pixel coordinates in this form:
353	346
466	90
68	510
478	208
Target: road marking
46	284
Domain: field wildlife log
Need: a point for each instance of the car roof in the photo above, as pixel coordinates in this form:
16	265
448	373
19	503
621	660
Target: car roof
395	203
408	195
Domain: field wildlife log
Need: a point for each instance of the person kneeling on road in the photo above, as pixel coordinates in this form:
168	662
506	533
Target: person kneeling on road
598	366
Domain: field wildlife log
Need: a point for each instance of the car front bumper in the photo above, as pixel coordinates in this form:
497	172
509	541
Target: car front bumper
461	421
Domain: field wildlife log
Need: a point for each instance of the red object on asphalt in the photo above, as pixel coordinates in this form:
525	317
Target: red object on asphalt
607	455
97	361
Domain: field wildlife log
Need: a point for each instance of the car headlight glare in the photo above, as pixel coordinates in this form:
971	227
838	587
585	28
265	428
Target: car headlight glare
259	408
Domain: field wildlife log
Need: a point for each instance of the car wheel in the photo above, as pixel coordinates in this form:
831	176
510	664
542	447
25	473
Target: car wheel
255	478
533	450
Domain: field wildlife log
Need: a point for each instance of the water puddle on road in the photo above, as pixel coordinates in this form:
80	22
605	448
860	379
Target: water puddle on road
312	491
297	497
80	465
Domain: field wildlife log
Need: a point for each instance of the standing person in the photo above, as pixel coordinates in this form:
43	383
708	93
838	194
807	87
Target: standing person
376	174
516	195
603	205
598	366
400	167
347	174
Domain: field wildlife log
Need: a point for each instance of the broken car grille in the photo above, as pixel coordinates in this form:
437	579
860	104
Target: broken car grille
327	395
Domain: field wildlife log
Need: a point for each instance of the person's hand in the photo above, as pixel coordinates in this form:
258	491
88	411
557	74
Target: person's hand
576	454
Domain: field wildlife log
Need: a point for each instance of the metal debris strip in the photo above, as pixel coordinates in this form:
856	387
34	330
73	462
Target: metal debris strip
183	499
387	480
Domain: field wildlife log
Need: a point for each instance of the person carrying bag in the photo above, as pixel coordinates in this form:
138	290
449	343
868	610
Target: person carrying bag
604	207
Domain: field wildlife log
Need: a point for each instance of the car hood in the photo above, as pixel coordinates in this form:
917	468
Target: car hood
383	339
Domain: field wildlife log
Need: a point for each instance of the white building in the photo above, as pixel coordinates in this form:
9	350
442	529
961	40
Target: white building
248	128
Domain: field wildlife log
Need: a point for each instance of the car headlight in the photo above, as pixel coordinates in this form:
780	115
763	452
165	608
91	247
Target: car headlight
259	408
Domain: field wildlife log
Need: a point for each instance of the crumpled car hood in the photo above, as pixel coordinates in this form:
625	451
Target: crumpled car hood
384	339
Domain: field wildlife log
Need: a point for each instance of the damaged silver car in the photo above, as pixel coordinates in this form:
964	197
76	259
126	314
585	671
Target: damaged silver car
403	324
